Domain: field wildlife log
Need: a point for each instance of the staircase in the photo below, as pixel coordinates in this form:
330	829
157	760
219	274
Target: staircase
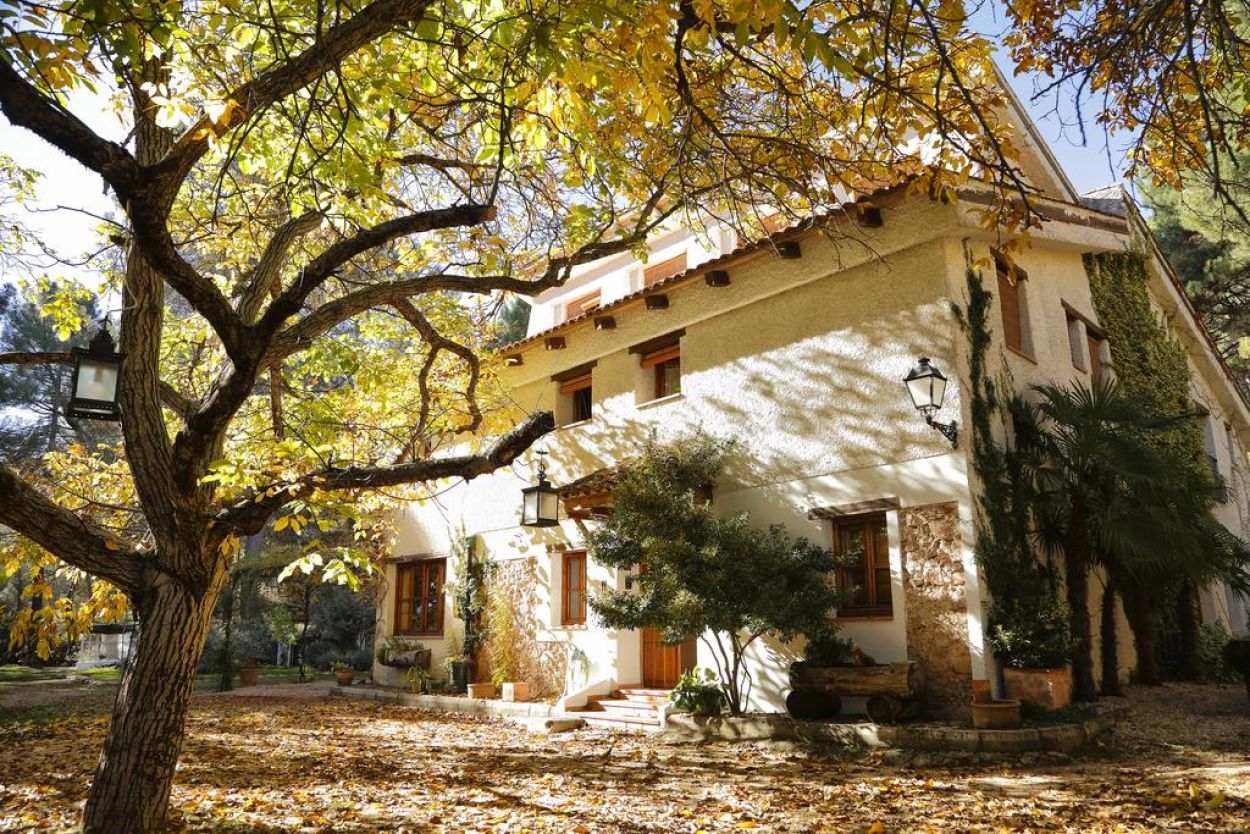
627	708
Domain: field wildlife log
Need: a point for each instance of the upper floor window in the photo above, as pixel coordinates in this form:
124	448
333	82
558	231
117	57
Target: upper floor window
419	597
1011	300
664	269
1208	439
863	548
573	609
576	400
1097	344
581	306
665	367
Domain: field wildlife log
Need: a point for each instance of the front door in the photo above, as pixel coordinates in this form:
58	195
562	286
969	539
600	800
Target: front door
663	665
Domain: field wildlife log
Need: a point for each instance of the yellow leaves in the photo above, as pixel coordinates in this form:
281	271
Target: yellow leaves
876	828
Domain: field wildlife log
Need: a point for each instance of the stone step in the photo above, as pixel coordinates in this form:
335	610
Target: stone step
615	721
631	708
647	696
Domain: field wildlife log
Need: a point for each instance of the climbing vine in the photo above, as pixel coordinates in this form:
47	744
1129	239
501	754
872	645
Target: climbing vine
1027	616
1149	364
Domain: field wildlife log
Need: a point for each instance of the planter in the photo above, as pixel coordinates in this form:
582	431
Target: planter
249	676
812	706
407	659
902	680
1045	688
481	690
516	691
981	692
345	677
996	715
458	674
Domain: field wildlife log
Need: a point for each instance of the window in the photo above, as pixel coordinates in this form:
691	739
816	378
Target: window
1095	343
581	306
419	597
1011	297
580	399
1208	439
1231	442
665	365
574	593
1076	342
664	269
863	548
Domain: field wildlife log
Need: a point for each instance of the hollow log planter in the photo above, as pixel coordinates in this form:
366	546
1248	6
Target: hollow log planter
893	690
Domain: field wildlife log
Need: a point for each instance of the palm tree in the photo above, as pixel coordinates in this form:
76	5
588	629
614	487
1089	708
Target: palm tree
1099	495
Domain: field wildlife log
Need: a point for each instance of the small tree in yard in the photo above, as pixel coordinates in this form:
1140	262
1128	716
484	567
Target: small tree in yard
715	578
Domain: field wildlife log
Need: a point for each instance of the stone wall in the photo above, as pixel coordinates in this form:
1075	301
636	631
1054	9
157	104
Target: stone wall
937	609
543	664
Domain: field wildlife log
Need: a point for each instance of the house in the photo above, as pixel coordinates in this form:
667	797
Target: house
797	346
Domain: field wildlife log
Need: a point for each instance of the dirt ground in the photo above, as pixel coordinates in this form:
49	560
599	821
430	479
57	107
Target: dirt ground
286	758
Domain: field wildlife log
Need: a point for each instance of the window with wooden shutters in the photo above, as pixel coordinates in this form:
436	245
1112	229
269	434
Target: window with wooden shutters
1010	298
863	549
419	597
574	593
1095	344
581	398
655	273
1076	342
581	306
664	364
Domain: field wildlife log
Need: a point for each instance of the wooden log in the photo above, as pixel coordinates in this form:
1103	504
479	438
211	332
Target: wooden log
902	680
884	709
812	706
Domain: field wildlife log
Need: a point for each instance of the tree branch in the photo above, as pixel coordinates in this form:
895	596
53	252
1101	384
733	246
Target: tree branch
249	514
261	280
26	107
437	342
66	536
368	24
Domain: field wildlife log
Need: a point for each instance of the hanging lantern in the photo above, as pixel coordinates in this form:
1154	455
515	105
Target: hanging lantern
96	383
540	504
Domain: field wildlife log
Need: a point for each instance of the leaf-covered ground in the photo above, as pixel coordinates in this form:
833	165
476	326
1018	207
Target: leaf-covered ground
276	759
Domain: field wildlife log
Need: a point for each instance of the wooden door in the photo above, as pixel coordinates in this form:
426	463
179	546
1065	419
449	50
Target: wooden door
663	665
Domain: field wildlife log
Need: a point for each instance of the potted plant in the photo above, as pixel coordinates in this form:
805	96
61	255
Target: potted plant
419	680
459	671
1031	639
699	692
249	655
343	672
249	672
402	653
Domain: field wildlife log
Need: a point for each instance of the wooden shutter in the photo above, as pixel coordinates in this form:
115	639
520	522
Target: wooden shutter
664	269
1009	299
1095	358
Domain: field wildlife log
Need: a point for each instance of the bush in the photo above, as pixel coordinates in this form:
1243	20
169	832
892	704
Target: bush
826	648
1031	632
699	692
1212	638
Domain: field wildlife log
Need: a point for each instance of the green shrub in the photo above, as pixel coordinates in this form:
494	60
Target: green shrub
698	691
1212	638
1031	632
826	648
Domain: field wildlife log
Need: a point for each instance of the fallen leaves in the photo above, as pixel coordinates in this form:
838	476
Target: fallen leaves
271	764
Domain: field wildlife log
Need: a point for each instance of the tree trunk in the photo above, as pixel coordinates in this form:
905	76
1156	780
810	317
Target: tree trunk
1187	617
130	791
1109	643
1145	636
1076	577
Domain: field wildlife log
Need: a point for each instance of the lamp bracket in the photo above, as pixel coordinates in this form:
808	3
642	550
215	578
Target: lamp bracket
949	430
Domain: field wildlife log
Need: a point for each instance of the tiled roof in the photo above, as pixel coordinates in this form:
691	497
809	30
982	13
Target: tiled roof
718	262
596	483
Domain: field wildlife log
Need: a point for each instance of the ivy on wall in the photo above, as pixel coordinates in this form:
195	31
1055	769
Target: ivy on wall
1027	616
1149	364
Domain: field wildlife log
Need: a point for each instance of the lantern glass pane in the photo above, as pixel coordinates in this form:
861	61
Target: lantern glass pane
548	506
529	507
939	390
921	391
97	380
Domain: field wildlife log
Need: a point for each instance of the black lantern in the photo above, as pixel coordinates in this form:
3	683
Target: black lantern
97	378
540	504
927	387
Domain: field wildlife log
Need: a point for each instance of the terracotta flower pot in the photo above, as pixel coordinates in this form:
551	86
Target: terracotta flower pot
996	715
345	677
1045	688
249	676
481	690
516	691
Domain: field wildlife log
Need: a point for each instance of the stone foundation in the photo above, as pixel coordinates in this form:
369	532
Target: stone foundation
937	608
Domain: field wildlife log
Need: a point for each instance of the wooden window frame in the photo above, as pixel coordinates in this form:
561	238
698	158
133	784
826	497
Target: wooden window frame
582	404
659	360
422	623
667	268
1014	290
571	615
873	562
579	306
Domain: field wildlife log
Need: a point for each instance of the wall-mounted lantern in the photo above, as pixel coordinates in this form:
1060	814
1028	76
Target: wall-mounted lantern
540	504
927	387
96	383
